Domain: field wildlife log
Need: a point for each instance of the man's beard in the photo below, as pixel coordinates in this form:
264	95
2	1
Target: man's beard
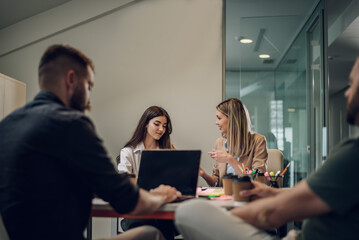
78	100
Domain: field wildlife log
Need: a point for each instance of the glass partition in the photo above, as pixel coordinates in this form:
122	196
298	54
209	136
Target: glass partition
291	94
274	89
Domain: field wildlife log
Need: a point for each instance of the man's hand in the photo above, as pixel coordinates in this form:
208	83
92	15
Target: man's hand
149	202
260	190
169	192
291	204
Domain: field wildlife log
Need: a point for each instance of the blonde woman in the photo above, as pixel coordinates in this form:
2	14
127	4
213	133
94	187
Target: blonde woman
238	144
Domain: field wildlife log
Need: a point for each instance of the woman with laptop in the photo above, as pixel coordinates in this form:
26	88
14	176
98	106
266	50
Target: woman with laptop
152	132
239	148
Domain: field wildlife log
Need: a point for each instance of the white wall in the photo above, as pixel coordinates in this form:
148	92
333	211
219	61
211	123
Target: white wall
152	52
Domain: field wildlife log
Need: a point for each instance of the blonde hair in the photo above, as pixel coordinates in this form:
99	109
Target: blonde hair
239	135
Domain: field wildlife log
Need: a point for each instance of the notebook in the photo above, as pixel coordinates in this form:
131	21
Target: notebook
177	168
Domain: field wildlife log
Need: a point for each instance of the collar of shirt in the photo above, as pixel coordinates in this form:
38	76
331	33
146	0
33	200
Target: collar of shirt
140	147
48	96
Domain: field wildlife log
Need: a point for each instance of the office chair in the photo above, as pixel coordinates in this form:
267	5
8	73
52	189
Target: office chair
275	160
3	232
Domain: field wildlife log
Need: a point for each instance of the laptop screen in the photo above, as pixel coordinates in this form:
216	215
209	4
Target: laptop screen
177	168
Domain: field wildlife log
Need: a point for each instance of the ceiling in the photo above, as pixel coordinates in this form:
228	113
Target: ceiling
272	30
11	13
278	26
344	50
342	54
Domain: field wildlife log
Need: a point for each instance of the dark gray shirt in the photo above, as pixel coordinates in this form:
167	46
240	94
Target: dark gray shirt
51	164
336	183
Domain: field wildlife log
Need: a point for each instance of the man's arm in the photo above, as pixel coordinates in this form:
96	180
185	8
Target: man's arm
149	202
296	203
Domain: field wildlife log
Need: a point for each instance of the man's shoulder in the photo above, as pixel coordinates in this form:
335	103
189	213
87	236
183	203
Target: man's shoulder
350	144
47	114
345	154
61	114
48	105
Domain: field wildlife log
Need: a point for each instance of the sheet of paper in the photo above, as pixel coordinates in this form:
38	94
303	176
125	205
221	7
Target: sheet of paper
210	191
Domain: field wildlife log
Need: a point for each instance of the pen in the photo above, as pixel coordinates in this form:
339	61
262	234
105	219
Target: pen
285	169
244	168
277	174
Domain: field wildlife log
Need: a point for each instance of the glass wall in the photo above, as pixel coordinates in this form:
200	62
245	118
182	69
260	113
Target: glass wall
276	89
291	103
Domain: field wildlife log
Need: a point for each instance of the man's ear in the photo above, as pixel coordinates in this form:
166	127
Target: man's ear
70	80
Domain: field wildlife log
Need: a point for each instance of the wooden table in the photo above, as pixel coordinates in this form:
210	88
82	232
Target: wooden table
101	208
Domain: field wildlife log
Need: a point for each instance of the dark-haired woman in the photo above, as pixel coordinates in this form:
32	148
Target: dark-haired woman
152	132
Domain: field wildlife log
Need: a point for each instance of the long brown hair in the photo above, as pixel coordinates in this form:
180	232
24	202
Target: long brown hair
141	130
239	136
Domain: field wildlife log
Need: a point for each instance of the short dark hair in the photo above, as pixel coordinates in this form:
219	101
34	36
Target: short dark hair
56	51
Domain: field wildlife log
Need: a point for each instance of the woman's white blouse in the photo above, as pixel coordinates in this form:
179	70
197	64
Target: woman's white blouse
130	159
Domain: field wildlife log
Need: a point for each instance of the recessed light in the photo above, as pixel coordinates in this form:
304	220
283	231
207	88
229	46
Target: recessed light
264	56
246	40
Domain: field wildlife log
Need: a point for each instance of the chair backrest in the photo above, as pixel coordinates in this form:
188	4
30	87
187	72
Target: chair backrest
3	232
275	160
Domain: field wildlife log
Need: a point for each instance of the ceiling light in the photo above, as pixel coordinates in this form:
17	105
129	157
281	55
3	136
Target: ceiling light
264	56
291	109
246	40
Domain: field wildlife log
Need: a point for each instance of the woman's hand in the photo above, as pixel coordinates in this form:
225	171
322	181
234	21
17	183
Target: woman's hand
201	172
219	156
224	157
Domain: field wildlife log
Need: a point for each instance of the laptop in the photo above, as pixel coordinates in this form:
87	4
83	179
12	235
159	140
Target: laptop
177	168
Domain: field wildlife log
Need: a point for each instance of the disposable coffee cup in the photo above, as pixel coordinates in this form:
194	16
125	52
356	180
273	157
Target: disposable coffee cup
227	184
261	178
239	184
